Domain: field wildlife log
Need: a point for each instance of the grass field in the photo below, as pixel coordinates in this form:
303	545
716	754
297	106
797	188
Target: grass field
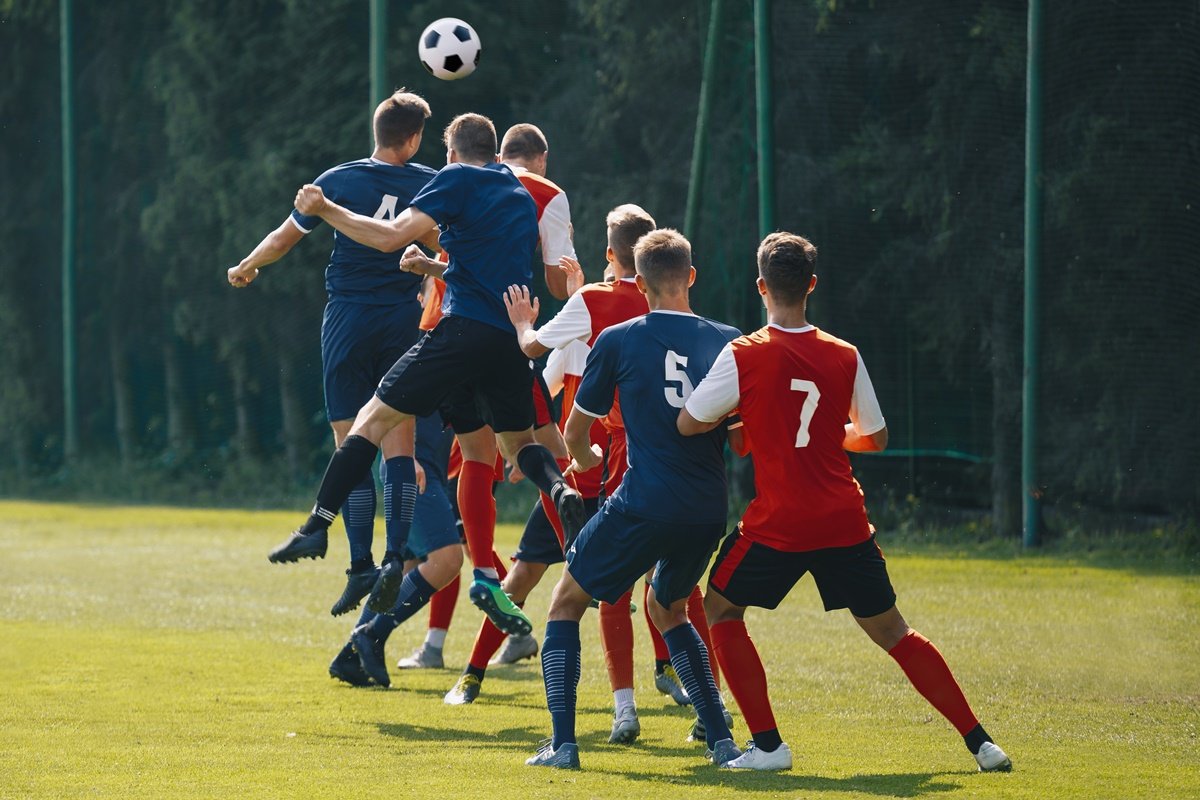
149	652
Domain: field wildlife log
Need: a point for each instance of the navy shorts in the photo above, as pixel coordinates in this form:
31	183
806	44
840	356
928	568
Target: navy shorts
433	525
615	549
473	372
359	344
752	574
539	543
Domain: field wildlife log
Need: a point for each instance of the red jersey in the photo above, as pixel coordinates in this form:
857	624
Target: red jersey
794	389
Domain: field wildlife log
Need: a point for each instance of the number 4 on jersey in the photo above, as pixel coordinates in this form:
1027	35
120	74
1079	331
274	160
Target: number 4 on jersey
812	397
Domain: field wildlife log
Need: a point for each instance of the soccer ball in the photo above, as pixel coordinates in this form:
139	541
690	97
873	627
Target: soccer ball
449	49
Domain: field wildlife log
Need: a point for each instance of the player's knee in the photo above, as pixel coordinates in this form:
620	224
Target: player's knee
718	609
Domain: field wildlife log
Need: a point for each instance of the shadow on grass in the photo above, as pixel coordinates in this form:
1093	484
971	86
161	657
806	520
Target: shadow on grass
895	785
504	738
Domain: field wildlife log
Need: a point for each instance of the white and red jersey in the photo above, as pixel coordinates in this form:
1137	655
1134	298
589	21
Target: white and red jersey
554	231
794	389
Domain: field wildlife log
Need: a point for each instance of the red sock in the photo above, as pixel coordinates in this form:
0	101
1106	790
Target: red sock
487	642
931	676
660	647
616	635
441	605
477	508
695	611
744	672
498	563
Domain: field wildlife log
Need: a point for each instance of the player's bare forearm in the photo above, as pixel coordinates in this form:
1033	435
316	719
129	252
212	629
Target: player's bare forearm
274	246
871	443
556	282
385	235
577	435
690	426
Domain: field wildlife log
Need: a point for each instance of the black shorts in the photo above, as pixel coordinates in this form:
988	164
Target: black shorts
539	543
752	574
474	373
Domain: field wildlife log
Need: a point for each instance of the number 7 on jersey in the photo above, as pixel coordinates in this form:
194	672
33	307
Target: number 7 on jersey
812	397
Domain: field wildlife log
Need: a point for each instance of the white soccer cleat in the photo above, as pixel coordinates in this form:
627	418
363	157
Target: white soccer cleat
992	759
424	657
752	758
515	649
626	726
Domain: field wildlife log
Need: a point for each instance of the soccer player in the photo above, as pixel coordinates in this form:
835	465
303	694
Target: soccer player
433	542
669	511
469	366
794	387
370	321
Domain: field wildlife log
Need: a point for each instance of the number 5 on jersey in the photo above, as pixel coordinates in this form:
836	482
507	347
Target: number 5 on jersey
812	397
677	395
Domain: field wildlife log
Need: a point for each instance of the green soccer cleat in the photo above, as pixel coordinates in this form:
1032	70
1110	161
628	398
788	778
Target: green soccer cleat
464	692
501	610
565	757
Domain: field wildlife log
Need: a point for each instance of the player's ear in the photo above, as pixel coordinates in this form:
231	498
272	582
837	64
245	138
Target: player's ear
691	276
762	286
609	255
812	284
640	282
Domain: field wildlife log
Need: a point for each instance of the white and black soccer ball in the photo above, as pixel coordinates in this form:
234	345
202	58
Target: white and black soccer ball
449	49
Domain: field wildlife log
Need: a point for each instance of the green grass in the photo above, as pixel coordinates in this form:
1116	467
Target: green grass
150	652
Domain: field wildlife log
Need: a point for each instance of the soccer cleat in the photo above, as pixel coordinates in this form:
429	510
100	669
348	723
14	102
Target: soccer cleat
499	607
301	545
571	512
424	657
515	649
465	690
345	668
668	683
370	655
723	752
752	758
358	586
565	757
387	587
625	727
992	759
699	732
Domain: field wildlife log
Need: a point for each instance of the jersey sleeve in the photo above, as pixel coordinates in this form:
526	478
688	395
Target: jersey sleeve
555	372
443	197
719	392
555	230
573	322
328	183
599	384
865	412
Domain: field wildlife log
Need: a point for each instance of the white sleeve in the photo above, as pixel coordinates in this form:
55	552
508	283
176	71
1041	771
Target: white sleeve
718	393
573	322
555	371
555	230
865	412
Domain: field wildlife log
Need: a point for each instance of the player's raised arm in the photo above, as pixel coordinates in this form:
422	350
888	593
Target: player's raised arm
386	235
274	246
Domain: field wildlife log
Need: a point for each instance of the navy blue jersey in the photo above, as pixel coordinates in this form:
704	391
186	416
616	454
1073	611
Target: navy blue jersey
490	230
654	362
358	273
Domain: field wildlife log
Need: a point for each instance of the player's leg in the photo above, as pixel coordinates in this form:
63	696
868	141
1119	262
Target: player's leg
616	637
441	608
400	492
359	519
696	616
665	679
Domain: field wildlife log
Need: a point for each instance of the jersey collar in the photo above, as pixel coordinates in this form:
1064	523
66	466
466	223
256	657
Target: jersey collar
805	329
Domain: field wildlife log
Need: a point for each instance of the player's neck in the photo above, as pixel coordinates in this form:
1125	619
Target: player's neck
390	156
788	316
669	302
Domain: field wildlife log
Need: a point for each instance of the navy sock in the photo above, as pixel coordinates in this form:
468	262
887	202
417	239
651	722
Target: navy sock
690	659
358	514
560	673
399	500
348	465
415	593
539	466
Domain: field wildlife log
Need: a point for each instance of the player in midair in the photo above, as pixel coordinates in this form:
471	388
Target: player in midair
794	386
370	321
669	511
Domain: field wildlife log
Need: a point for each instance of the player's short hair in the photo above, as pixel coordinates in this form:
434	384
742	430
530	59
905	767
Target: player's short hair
399	117
523	140
664	260
626	224
472	136
786	263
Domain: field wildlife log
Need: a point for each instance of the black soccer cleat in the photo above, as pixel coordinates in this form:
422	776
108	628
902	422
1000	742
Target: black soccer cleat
370	656
386	588
571	513
301	545
345	668
358	586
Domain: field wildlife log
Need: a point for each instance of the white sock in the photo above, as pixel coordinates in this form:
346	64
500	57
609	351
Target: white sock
489	572
435	637
623	698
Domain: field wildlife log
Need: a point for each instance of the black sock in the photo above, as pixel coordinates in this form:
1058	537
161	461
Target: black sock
538	465
347	466
362	565
660	665
768	741
975	739
390	555
476	671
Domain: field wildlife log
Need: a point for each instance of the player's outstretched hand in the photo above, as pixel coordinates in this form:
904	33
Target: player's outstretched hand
584	461
239	277
575	277
521	311
310	200
413	260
